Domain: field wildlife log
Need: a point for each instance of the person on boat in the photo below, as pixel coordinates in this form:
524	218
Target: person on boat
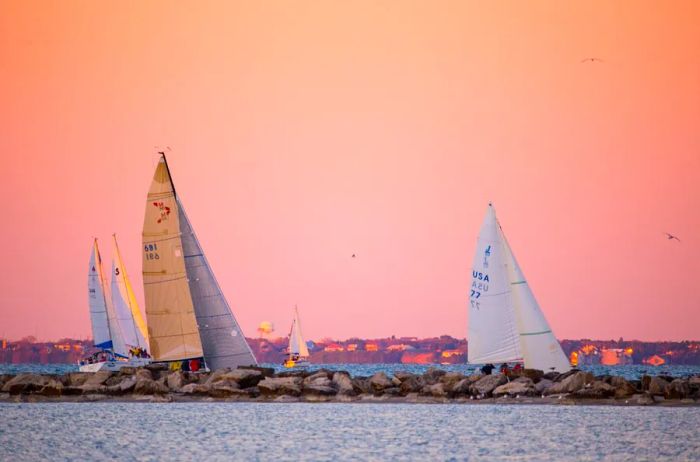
487	369
505	370
517	369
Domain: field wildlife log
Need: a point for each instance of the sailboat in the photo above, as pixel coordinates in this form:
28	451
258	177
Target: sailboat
106	330
506	323
126	307
190	323
298	352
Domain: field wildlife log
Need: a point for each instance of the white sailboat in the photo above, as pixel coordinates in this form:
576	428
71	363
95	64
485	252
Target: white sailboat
107	334
298	353
505	322
126	307
189	319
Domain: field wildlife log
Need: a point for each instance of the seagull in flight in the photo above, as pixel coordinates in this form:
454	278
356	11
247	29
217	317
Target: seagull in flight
353	255
592	60
670	236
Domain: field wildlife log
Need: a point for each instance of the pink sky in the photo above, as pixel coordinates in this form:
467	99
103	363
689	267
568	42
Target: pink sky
304	132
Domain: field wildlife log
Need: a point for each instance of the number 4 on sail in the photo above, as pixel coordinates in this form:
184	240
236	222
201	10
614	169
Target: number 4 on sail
505	322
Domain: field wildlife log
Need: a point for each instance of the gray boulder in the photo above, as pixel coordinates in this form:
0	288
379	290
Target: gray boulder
412	384
657	386
343	383
597	390
450	379
280	386
176	380
542	385
245	378
195	389
25	383
572	382
433	375
379	382
461	388
623	388
97	378
437	390
522	386
319	390
485	385
149	387
678	389
52	388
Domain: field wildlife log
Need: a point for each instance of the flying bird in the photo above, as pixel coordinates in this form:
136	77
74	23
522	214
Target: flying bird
353	255
592	60
670	236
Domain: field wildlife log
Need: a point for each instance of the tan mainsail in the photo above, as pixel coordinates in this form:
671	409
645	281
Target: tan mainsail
172	327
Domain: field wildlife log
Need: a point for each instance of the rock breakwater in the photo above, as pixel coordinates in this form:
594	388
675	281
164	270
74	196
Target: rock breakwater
158	384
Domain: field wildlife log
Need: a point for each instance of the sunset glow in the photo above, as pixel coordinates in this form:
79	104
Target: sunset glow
302	133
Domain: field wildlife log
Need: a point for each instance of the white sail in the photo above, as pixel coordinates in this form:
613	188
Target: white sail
493	334
539	347
124	301
97	302
297	345
505	321
105	327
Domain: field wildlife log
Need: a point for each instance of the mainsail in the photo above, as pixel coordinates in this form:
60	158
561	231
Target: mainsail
127	309
188	316
105	327
297	345
505	321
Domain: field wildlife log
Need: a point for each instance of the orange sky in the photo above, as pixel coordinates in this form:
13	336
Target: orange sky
303	132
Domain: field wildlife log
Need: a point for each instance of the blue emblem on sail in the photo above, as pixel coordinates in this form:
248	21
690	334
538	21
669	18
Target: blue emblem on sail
487	254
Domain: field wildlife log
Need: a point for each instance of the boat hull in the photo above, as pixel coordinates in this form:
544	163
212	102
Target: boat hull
114	365
289	364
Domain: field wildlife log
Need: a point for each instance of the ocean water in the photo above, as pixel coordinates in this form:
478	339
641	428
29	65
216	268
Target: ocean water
333	431
630	372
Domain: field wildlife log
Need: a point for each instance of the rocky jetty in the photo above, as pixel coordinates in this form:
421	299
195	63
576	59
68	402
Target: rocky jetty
155	383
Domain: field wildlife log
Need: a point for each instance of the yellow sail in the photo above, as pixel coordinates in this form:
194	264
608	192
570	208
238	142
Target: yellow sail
122	286
172	327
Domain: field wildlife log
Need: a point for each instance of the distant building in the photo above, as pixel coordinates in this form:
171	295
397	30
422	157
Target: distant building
654	360
400	347
334	347
371	347
351	347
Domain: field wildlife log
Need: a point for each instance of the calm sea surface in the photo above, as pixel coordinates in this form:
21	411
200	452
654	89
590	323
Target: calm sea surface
629	372
303	431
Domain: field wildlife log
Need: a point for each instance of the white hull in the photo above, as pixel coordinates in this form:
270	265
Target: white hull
114	366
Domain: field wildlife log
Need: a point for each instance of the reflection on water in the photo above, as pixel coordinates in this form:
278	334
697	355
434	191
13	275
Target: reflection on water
257	431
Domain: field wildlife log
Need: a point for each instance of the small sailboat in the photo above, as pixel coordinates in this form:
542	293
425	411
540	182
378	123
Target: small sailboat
190	323
107	334
298	352
126	308
506	323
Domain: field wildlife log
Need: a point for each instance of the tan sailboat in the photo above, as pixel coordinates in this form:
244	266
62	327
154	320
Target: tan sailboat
189	319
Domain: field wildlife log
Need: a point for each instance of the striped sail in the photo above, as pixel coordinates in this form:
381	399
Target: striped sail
506	323
172	327
297	345
222	339
127	310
